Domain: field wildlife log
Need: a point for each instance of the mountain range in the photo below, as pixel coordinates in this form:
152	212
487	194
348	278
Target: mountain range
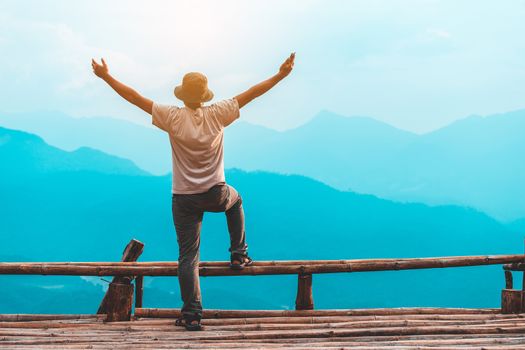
473	162
58	205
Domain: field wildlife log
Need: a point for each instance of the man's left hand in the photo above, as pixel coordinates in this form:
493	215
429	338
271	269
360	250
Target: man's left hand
100	70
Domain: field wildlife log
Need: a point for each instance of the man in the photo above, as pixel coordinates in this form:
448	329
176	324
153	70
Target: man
198	183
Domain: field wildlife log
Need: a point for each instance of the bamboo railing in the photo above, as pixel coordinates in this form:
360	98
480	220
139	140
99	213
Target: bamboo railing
259	268
117	302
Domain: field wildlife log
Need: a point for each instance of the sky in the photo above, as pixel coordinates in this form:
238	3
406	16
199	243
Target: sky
417	65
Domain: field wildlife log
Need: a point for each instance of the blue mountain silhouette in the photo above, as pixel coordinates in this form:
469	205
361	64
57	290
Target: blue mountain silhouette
474	162
89	211
28	155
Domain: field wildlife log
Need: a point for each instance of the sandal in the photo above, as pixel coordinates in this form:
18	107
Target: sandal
186	322
243	258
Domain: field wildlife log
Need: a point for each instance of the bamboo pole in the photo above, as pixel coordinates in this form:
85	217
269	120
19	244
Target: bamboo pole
212	263
515	266
161	323
360	265
513	262
212	325
210	313
361	332
44	317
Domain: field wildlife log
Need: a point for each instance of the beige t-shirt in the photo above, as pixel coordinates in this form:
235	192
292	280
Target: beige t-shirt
196	138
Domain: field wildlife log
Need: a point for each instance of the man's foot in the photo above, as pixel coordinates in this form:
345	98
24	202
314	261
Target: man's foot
192	324
239	261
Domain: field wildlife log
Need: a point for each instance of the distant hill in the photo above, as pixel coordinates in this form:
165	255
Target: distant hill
147	147
28	155
81	215
474	162
346	153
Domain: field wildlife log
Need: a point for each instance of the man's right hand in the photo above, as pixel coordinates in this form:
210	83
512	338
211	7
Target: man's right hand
287	66
129	94
100	70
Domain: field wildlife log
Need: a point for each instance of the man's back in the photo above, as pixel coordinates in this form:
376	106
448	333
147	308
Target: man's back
196	138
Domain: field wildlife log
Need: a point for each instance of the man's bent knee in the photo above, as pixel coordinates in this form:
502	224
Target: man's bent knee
234	198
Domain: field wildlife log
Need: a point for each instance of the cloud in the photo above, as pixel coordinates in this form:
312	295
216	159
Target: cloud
439	33
394	60
43	48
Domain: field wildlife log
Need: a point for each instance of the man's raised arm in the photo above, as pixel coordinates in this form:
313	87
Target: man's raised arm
262	87
132	96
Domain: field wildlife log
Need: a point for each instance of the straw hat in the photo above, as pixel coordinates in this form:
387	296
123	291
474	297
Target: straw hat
194	88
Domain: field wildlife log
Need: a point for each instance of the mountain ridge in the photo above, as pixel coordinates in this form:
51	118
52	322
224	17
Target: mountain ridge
38	156
471	162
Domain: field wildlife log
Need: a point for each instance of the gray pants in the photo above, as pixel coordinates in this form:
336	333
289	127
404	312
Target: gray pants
188	210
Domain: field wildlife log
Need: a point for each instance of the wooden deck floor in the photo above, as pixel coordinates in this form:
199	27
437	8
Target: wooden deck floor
412	328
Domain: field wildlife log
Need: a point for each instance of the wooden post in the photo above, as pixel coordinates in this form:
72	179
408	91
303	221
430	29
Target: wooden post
119	302
523	283
511	301
113	296
509	284
139	291
304	299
